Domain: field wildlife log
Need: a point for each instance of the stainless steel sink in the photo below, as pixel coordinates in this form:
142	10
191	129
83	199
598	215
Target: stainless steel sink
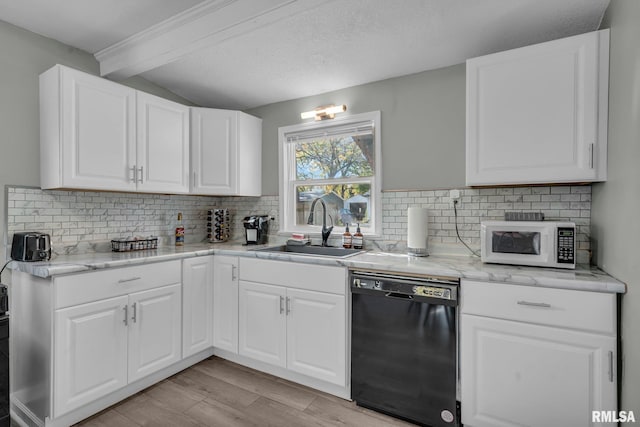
329	251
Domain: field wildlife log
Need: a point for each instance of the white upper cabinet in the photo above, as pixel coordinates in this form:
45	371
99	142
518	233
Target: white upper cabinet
99	135
87	131
226	149
163	145
538	114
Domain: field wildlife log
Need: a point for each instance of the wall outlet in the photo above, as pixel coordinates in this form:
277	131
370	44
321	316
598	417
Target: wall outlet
454	195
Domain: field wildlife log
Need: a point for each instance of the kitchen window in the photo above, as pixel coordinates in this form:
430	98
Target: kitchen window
337	161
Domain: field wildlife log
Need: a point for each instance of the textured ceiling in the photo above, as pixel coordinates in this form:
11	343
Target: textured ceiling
337	44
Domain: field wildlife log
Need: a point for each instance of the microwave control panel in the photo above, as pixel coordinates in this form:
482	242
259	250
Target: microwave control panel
566	245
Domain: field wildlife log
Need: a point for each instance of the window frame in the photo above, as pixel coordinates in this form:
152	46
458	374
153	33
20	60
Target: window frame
286	172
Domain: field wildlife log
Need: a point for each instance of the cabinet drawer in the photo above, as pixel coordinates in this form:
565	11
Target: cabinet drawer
590	311
112	282
311	277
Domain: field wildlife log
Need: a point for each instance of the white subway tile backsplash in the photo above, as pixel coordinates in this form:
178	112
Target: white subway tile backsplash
476	205
73	218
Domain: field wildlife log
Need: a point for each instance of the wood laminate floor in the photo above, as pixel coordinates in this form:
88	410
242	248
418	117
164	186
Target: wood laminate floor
216	392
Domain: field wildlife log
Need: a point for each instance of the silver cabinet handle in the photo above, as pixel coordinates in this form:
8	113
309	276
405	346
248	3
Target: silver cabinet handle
133	173
535	304
233	273
135	311
610	366
126	315
141	174
129	280
591	148
281	304
288	305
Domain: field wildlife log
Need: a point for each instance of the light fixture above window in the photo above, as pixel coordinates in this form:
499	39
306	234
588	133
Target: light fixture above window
324	112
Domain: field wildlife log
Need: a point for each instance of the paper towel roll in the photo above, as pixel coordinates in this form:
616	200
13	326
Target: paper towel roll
417	230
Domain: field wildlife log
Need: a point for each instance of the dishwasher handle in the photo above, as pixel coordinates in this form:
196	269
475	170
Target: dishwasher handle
398	296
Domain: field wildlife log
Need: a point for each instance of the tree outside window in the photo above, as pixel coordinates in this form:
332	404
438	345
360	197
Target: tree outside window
336	163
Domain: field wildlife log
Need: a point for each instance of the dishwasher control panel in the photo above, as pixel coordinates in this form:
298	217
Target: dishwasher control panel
405	286
430	291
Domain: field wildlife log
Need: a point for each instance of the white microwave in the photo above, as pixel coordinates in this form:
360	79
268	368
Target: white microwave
536	243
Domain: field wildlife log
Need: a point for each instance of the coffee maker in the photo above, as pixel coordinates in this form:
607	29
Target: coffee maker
256	228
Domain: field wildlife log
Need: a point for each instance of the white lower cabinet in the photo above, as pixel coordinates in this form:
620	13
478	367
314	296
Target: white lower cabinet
284	319
154	330
225	303
520	364
90	352
111	328
102	346
262	325
197	305
316	334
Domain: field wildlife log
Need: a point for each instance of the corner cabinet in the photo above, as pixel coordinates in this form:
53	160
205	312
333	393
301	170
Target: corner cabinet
99	135
536	356
226	150
538	114
197	304
225	303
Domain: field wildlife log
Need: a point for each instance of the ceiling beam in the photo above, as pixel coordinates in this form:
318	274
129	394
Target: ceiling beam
204	25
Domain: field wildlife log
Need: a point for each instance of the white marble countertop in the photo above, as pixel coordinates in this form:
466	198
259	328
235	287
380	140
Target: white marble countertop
583	278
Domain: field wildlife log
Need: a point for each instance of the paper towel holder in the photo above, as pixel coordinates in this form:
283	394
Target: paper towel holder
417	232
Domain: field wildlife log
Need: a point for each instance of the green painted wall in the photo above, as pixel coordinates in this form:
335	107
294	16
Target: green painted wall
423	127
615	212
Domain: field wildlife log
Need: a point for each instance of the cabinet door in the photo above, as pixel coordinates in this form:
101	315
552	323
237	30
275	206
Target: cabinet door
90	353
262	324
515	374
162	145
214	151
225	303
197	305
538	114
316	335
250	161
98	132
154	330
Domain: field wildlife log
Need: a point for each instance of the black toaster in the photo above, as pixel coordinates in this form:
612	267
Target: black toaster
31	246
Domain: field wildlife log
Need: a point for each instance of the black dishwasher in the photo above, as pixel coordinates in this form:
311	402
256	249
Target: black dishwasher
4	371
404	346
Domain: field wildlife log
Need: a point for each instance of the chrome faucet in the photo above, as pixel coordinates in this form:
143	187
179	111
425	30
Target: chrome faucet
325	231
